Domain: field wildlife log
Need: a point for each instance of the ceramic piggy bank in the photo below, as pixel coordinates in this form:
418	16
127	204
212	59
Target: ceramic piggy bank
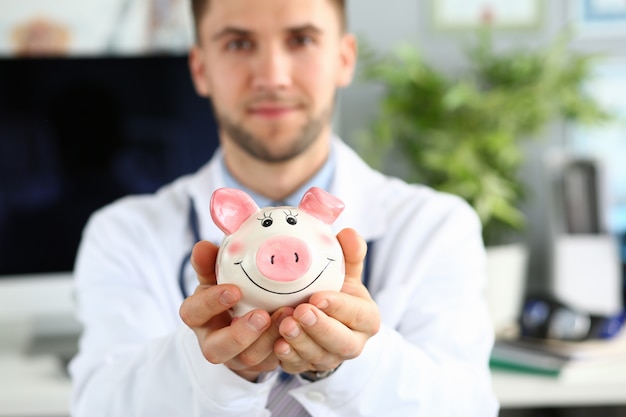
277	256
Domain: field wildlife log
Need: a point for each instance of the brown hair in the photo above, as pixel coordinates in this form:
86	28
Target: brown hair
200	7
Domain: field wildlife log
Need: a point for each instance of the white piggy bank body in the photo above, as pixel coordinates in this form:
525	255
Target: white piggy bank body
277	256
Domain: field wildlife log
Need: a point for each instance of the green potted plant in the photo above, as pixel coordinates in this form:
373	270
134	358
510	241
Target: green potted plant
462	134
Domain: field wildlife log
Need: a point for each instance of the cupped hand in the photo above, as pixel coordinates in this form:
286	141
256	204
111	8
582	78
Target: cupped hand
244	344
333	326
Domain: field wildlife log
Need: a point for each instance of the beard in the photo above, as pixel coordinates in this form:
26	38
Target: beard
263	151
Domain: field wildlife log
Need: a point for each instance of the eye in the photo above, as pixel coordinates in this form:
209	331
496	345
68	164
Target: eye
299	41
291	217
266	220
239	44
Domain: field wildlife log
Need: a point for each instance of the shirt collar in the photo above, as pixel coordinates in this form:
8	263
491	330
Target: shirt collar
322	179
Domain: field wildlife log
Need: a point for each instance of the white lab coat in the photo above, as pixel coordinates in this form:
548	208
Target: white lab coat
137	358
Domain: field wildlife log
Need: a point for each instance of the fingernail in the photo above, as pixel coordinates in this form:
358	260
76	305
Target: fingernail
257	322
228	298
293	332
285	351
308	319
323	304
283	315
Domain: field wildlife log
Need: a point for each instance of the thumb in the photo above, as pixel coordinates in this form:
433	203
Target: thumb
203	257
354	250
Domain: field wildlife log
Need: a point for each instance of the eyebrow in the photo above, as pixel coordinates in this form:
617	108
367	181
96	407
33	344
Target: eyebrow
235	31
230	31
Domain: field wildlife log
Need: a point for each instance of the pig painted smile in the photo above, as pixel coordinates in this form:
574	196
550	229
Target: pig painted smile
240	263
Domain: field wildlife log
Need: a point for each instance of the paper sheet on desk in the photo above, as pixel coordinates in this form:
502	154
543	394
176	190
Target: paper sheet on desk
567	361
587	273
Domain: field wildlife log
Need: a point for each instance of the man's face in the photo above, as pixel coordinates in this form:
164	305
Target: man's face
272	68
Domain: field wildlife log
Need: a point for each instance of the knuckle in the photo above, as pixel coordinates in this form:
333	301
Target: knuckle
288	368
187	314
368	319
351	350
247	359
209	303
319	361
183	312
292	364
209	355
239	338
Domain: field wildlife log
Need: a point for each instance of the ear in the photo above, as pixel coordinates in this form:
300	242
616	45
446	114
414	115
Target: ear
348	52
230	208
321	205
197	67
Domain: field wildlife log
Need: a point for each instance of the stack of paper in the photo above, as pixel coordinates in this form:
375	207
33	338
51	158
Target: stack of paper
559	359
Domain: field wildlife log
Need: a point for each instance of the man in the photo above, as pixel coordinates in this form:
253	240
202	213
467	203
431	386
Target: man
412	339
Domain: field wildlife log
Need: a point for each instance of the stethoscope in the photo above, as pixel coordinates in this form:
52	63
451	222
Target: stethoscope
195	233
194	226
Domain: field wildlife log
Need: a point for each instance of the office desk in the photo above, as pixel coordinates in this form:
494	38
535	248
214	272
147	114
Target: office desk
600	380
33	386
515	390
38	387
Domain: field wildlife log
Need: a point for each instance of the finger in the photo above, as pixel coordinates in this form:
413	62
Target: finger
268	364
290	361
297	351
229	342
327	332
203	257
356	311
260	355
354	250
202	306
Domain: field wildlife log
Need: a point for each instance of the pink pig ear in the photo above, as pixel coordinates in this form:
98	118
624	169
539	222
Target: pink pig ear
322	205
230	208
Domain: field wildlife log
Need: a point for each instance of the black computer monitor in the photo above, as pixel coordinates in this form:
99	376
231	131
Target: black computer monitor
77	133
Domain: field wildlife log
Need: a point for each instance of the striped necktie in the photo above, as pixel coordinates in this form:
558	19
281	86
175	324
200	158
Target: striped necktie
280	403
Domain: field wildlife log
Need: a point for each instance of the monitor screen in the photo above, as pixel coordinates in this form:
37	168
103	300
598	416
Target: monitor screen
78	133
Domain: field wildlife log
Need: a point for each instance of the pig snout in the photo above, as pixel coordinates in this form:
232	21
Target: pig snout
283	258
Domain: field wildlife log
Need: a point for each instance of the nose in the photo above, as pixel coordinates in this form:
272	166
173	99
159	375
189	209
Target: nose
283	258
272	69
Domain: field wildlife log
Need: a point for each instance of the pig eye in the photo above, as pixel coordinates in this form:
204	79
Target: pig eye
266	221
290	217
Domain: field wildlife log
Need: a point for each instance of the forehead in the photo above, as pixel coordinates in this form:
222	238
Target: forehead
270	15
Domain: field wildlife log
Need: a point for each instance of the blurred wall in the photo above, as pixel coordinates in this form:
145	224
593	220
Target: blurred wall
383	24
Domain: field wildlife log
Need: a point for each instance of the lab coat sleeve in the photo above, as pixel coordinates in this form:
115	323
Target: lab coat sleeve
430	357
135	357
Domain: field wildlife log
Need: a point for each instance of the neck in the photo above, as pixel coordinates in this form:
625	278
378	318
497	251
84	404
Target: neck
276	181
